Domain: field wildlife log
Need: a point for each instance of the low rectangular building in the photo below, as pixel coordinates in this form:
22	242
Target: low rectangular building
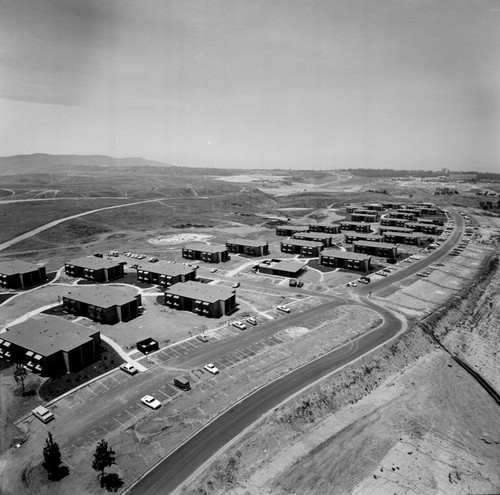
412	238
390	205
383	249
248	247
50	345
325	239
207	300
401	230
343	259
282	268
327	228
356	226
304	248
17	274
94	269
426	228
351	237
289	230
393	222
104	304
165	274
404	215
351	209
373	206
205	252
364	217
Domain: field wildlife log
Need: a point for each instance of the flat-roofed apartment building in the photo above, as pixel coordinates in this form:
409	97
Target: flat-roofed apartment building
289	230
364	217
103	304
304	248
435	221
248	246
403	214
376	248
356	226
205	252
426	209
351	209
389	205
343	259
401	230
327	228
207	300
50	345
18	274
94	268
282	268
165	274
325	239
426	228
412	238
351	237
393	222
373	206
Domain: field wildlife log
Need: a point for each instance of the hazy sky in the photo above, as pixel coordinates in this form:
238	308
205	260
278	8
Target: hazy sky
250	83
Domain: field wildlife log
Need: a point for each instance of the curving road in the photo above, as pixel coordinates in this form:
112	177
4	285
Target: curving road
172	471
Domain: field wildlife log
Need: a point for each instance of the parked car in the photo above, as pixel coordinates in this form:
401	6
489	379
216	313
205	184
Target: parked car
300	283
236	285
43	414
202	338
213	270
211	368
129	368
292	282
239	324
382	273
283	308
421	274
363	281
151	402
387	270
252	320
153	260
352	284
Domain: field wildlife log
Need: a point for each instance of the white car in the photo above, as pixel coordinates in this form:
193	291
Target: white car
352	284
236	285
151	402
43	414
252	320
285	309
129	368
382	274
213	270
414	257
239	325
211	368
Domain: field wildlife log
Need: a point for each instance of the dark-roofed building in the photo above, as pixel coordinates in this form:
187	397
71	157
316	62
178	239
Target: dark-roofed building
282	268
351	209
364	217
435	221
356	226
289	230
393	222
373	206
17	274
389	205
50	345
249	247
403	214
425	228
165	274
376	249
325	239
412	238
343	259
400	230
94	268
304	248
351	237
327	228
207	300
205	252
104	304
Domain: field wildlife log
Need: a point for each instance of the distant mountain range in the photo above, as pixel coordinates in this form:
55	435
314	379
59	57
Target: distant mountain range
41	162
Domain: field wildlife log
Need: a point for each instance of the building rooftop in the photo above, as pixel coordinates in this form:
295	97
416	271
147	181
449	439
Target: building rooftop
285	266
296	228
383	245
407	234
93	263
360	235
12	267
399	230
300	242
323	225
336	253
360	214
102	296
352	222
164	268
203	292
206	248
46	335
314	235
248	242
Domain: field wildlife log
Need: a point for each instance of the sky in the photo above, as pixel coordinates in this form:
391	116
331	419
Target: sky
300	84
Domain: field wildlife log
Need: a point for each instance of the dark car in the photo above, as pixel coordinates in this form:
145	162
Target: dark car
292	282
300	283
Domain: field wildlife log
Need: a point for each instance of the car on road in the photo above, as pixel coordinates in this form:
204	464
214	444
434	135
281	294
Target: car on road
252	320
43	414
236	285
211	368
421	274
352	284
239	324
202	338
151	402
213	270
129	368
292	282
283	308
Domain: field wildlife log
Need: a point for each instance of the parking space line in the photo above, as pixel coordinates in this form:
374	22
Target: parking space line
90	390
142	406
113	378
104	429
102	384
133	415
162	392
121	424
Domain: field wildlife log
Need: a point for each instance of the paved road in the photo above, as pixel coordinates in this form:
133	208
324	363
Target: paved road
177	467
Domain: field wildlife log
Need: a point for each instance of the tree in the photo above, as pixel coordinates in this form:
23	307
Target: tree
104	457
51	457
20	375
